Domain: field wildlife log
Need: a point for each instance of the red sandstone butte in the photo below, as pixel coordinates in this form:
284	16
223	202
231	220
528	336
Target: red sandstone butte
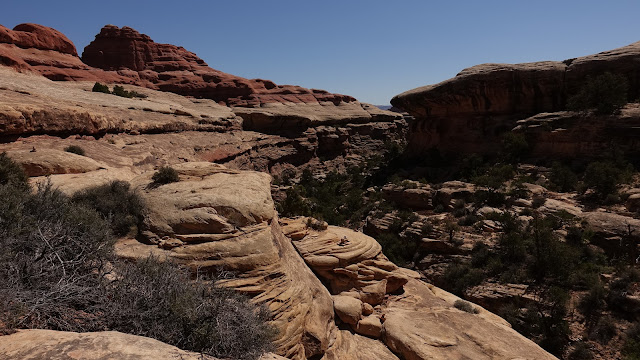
123	55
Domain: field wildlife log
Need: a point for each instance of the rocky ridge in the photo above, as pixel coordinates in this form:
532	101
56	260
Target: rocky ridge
124	56
468	112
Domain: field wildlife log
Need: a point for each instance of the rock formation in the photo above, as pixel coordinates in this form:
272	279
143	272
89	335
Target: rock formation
468	112
569	135
379	300
219	218
172	68
49	344
32	105
124	56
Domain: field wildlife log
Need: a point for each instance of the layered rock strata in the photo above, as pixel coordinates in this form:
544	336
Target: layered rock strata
154	130
468	112
377	299
124	56
216	218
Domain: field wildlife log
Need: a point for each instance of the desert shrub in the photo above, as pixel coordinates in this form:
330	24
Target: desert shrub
451	228
603	331
538	201
631	347
120	91
457	278
427	228
75	149
593	301
459	212
122	207
581	351
562	178
619	288
471	166
604	177
495	176
518	190
514	146
98	87
468	220
551	322
55	255
465	306
53	252
12	174
165	175
493	179
606	93
136	94
399	251
294	204
158	299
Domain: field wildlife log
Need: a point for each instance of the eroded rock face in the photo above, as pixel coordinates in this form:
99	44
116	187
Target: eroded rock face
220	218
423	324
413	319
42	163
37	37
172	68
468	112
566	134
124	56
31	104
351	262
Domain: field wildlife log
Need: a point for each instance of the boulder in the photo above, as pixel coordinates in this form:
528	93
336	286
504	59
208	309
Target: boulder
633	202
50	162
424	324
50	344
348	309
349	346
453	190
495	295
370	326
610	225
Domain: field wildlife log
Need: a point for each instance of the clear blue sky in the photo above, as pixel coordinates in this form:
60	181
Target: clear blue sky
369	49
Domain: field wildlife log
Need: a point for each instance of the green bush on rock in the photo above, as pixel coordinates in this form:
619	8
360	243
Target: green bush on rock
165	175
116	203
606	93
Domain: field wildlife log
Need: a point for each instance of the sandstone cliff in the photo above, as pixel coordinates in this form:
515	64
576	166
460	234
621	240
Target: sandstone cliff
468	112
